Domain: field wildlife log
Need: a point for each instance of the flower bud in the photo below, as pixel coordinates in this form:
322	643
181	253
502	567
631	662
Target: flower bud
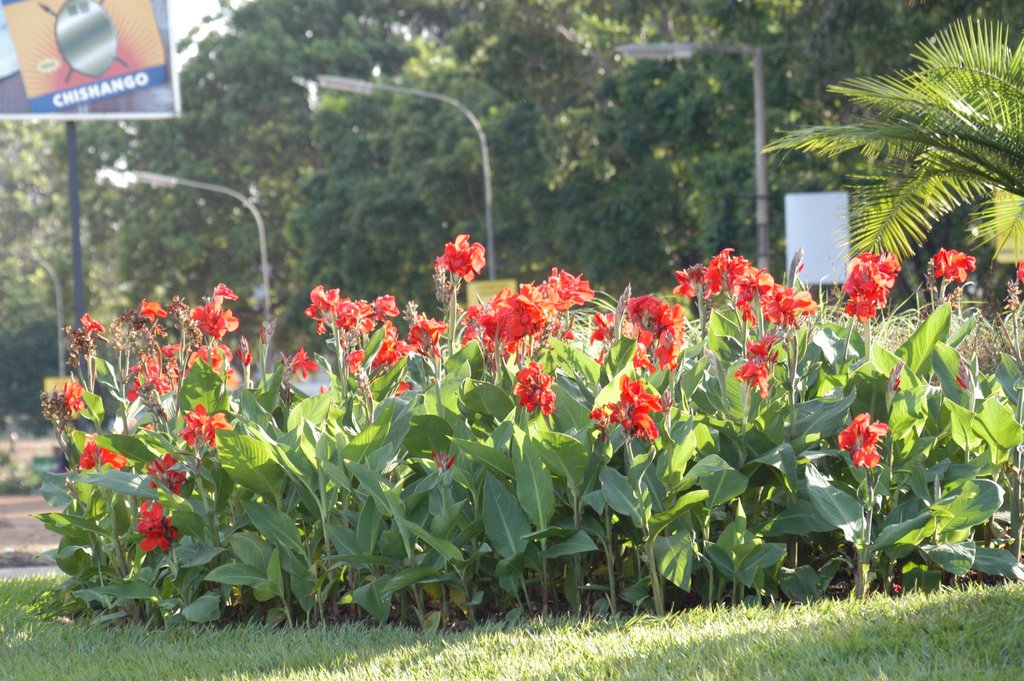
894	377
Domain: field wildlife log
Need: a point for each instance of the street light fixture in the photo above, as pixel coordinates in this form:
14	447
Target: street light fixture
123	179
665	51
363	87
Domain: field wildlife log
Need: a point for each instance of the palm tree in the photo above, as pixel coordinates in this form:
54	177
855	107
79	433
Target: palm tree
946	133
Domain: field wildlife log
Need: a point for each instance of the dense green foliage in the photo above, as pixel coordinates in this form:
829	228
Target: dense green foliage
948	634
527	456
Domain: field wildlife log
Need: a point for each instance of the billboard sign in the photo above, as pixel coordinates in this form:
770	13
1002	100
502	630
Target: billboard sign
818	222
86	59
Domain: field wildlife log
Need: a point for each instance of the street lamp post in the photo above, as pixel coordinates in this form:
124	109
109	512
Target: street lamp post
126	178
58	301
665	51
365	87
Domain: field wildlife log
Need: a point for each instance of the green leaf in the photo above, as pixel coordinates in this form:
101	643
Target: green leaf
428	433
723	486
618	494
450	552
577	543
372	598
195	555
93	407
761	558
565	455
954	558
313	409
997	425
250	462
534	487
486	398
917	351
821	418
907	532
372	437
504	521
975	503
238	574
203	385
206	608
121	482
275	525
498	461
998	562
133	448
674	558
836	507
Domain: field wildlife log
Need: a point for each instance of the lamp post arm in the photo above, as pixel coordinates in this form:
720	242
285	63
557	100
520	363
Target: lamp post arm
484	155
251	207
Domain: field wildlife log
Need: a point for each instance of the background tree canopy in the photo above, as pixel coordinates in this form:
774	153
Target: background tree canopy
619	169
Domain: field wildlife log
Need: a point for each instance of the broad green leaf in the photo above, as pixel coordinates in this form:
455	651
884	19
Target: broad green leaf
564	455
498	461
836	507
313	409
203	385
907	532
997	425
442	546
973	504
998	562
372	598
674	557
428	433
275	525
723	486
822	418
534	487
237	574
121	482
618	494
372	437
133	448
917	351
761	558
504	521
577	543
206	608
195	555
955	558
250	462
486	398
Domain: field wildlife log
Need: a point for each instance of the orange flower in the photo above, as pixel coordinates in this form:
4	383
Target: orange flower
151	310
786	306
162	470
214	321
73	401
462	258
565	291
90	325
424	336
871	277
302	364
533	388
952	265
106	457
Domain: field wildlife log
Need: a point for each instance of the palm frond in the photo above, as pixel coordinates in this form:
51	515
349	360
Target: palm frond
1000	221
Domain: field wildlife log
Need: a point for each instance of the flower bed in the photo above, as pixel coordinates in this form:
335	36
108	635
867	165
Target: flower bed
538	451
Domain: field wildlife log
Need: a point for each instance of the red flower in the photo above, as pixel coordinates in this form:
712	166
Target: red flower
565	291
633	410
354	360
952	265
895	376
385	306
151	310
602	327
391	350
462	258
860	437
1020	271
519	315
203	427
162	470
323	307
685	287
443	460
243	352
757	368
355	315
214	321
723	270
425	334
533	387
90	325
403	387
73	401
106	457
751	286
301	363
658	328
221	293
871	277
786	306
158	530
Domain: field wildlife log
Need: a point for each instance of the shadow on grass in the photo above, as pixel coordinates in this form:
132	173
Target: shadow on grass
956	635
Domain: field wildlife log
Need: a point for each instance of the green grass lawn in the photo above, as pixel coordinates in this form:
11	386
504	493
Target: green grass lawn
953	635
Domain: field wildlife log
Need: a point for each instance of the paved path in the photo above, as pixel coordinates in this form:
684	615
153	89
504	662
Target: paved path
23	537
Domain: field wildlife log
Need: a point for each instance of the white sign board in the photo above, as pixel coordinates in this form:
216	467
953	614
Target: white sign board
818	222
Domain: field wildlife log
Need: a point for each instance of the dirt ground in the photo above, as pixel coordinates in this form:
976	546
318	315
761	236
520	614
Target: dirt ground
23	537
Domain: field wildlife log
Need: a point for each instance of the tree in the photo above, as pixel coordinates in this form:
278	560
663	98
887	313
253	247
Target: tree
948	132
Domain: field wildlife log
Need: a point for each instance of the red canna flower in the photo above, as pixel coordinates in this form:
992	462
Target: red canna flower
757	369
157	530
300	363
952	265
354	360
203	427
1020	271
385	306
684	285
750	286
424	336
519	315
633	410
90	325
565	291
215	321
860	437
463	259
871	277
723	270
786	306
391	350
105	457
243	352
658	328
533	387
151	310
73	401
162	470
403	387
221	293
602	327
443	460
323	307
